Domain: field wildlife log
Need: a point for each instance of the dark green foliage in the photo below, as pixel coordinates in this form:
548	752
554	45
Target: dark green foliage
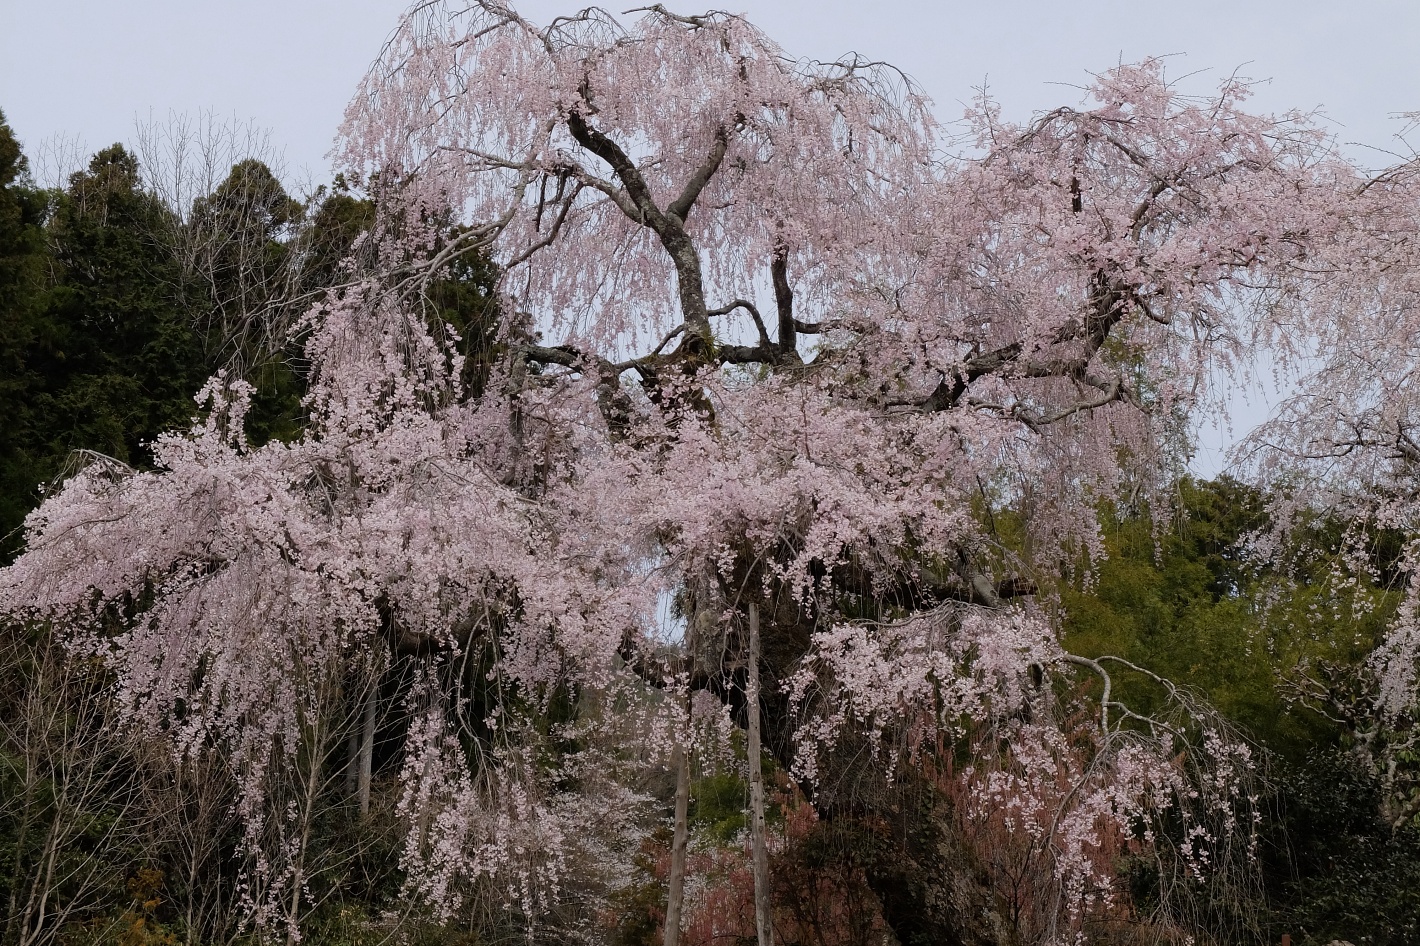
1353	878
359	874
1186	603
463	298
22	329
114	310
718	806
125	360
337	221
240	235
236	251
104	354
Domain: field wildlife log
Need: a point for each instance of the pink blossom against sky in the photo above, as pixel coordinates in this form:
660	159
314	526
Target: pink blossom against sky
89	69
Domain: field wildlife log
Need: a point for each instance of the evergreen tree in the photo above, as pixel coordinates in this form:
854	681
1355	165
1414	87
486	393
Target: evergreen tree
126	360
100	353
22	328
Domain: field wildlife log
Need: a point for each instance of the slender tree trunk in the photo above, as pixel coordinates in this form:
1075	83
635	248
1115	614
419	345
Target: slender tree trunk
763	921
675	896
367	748
352	762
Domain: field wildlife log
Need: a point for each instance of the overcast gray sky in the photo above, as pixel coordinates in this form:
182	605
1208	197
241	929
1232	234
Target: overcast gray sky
92	68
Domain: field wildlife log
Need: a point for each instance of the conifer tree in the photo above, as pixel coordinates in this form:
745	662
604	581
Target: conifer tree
22	331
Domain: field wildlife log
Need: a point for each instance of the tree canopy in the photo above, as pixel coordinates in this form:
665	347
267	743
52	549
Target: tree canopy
619	337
